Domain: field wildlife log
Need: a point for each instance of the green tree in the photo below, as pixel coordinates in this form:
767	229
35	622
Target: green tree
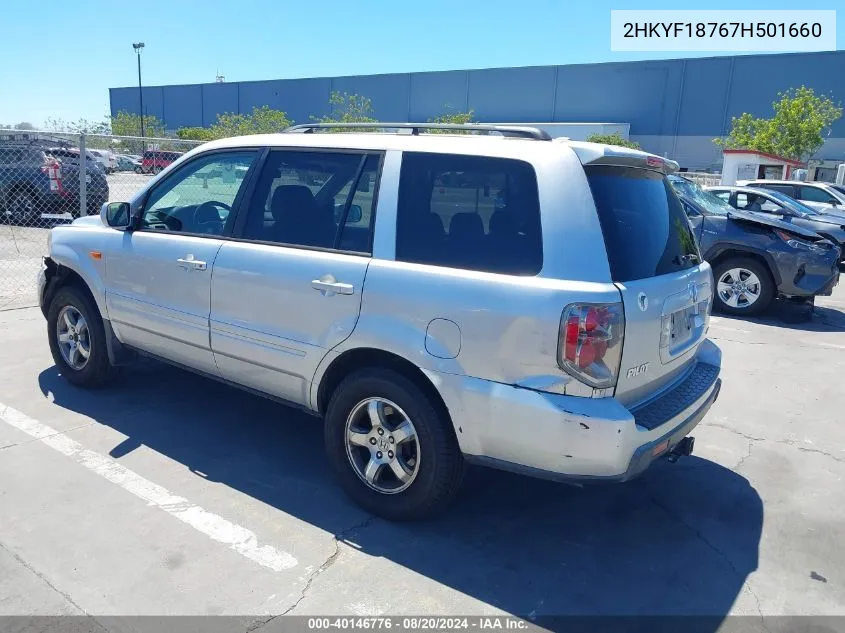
612	139
80	126
262	120
348	108
452	118
23	125
195	133
128	124
797	129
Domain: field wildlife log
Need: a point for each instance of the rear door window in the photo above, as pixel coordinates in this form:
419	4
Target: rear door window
645	230
469	212
815	194
787	189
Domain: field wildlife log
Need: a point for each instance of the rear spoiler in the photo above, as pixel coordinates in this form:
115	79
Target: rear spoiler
598	154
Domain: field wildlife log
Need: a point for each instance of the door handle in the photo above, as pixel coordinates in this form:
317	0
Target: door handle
333	287
189	263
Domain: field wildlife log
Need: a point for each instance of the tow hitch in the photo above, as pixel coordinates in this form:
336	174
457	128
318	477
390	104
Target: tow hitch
682	448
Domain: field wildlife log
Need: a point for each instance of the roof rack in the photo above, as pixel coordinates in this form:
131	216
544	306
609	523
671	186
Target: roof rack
504	130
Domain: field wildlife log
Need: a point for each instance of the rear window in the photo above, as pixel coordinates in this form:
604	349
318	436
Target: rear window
646	232
470	212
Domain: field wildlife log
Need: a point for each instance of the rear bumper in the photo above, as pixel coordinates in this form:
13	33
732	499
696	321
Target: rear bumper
573	438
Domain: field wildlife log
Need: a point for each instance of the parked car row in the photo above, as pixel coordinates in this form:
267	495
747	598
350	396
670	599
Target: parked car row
762	244
36	180
154	161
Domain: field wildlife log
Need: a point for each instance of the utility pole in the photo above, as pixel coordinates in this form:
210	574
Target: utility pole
138	46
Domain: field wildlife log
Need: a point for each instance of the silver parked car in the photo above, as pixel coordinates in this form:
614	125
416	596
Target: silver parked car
497	298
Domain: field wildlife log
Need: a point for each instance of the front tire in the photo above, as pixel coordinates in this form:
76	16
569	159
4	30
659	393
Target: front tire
78	339
744	286
393	450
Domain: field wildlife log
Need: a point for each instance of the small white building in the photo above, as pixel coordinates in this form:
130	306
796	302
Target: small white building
749	164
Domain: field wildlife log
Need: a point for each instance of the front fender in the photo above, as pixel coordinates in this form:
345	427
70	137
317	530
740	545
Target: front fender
92	271
718	248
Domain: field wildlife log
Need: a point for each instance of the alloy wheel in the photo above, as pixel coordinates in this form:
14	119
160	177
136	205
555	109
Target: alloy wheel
382	445
73	337
739	288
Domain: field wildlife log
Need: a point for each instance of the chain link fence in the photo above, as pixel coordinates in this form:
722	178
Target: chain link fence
44	183
702	178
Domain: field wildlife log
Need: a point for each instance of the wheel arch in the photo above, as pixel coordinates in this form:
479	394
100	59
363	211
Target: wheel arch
64	266
721	252
349	361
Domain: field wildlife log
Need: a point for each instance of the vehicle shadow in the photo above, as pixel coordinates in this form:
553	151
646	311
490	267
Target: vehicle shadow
681	540
793	316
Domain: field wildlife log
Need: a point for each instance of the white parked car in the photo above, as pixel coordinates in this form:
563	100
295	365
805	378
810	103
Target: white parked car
532	305
106	158
824	197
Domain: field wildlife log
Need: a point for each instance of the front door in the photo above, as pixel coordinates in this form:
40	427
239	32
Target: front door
158	280
289	289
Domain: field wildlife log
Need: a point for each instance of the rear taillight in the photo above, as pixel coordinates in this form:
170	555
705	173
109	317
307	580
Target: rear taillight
590	342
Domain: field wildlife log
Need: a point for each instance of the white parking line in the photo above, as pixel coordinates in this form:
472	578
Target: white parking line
216	527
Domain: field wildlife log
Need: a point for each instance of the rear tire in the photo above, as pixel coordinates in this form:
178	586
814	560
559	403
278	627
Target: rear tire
69	304
744	286
418	443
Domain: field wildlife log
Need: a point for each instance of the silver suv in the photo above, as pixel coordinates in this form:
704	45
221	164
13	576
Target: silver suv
492	297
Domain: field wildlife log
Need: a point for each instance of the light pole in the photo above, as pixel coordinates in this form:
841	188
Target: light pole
138	46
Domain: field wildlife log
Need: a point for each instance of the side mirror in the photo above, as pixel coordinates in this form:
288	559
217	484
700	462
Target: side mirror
354	216
116	215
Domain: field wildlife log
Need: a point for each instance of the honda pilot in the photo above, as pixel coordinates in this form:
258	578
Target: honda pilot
491	297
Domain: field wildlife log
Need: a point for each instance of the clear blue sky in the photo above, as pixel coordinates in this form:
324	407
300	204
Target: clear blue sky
47	70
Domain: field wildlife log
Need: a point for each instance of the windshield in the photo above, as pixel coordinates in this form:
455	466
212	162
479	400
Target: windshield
790	203
704	199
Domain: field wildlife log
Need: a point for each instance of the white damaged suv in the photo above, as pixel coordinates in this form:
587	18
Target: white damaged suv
487	296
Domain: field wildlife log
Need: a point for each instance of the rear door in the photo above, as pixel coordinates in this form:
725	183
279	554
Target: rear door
289	289
656	265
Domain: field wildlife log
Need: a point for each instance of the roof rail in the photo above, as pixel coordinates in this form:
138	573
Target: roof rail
504	130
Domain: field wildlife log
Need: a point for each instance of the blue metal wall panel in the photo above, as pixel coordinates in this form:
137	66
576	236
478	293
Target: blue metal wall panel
154	101
702	109
123	99
757	80
254	94
435	94
217	99
512	94
181	107
629	93
303	98
389	94
694	97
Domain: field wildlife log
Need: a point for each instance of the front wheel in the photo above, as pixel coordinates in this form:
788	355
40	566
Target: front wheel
78	339
744	286
393	450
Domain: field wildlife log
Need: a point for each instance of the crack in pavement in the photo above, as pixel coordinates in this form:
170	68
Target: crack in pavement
745	584
326	564
792	443
47	582
746	456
